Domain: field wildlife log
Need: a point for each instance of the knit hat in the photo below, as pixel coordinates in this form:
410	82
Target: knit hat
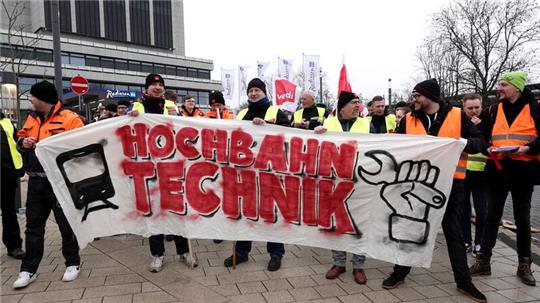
344	98
517	79
151	78
111	107
125	103
429	89
45	91
216	97
258	83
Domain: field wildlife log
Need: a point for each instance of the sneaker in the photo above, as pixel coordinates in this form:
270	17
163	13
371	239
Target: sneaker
16	253
71	273
334	272
274	263
157	264
186	259
392	281
239	259
476	250
24	279
473	292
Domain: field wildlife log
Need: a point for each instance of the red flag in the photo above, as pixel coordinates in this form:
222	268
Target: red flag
343	83
285	91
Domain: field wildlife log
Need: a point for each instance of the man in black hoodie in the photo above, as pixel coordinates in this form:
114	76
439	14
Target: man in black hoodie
514	124
431	117
260	111
11	171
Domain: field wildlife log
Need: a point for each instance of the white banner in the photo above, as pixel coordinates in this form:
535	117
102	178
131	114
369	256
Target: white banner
285	69
379	195
242	79
312	73
227	80
261	69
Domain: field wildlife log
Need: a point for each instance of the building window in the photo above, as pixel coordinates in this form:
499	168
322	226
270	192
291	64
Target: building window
25	53
171	70
204	74
26	83
192	72
147	67
122	87
44	55
93	61
65	58
181	71
107	62
134	66
121	64
159	69
76	59
203	98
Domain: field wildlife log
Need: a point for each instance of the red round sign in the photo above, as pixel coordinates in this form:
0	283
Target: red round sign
79	85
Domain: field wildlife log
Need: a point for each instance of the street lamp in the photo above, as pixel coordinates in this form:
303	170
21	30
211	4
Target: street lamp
9	95
389	91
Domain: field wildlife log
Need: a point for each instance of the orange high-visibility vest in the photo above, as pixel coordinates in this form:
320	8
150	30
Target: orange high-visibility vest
450	128
521	132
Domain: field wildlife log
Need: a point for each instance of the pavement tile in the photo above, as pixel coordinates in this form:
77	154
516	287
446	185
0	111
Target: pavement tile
53	296
307	293
353	287
381	296
493	296
119	270
248	298
430	291
327	291
498	284
35	287
356	298
251	287
153	297
277	284
193	292
112	290
301	282
124	279
11	299
92	300
118	299
226	290
149	287
78	283
516	295
406	294
278	296
241	277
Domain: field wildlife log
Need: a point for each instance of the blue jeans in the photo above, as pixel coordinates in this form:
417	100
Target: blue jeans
340	258
274	249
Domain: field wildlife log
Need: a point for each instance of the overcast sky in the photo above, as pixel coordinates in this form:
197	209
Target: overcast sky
378	38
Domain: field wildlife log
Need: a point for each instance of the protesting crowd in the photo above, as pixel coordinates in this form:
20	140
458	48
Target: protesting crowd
501	156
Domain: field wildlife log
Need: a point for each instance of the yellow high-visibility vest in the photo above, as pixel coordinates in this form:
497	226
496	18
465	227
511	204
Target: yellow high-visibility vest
271	113
298	115
361	125
138	106
9	130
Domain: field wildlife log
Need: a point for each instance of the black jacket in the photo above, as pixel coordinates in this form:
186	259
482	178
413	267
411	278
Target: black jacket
260	111
310	114
475	140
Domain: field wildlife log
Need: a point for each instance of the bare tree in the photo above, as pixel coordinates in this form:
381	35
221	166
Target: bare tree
327	97
18	55
477	40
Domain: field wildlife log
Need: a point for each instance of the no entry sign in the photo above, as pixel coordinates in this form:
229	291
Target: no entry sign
79	85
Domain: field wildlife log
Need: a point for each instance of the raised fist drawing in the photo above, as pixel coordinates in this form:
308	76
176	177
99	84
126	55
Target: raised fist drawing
408	188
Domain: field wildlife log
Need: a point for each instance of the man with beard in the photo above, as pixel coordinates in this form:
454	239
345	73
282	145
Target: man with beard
432	117
513	128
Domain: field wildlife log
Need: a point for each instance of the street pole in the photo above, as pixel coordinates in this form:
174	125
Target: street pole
320	85
389	91
57	55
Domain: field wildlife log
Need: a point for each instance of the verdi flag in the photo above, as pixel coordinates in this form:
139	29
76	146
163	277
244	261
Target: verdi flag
312	73
286	95
285	68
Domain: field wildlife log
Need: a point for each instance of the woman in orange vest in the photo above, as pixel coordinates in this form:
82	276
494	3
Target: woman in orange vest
513	127
218	110
432	117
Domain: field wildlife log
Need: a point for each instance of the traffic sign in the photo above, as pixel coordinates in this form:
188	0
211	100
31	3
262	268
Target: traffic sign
79	85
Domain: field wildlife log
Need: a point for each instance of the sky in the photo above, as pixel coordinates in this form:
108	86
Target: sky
378	39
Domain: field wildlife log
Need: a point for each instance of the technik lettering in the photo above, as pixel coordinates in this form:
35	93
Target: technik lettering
306	180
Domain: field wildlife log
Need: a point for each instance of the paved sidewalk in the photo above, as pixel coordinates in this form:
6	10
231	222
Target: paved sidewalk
115	269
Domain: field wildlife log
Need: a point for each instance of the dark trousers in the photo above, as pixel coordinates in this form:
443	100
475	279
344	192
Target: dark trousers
40	201
11	233
274	249
451	225
157	246
514	178
475	184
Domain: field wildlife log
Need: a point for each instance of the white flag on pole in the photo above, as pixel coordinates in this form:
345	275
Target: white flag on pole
285	68
312	73
261	68
227	80
242	79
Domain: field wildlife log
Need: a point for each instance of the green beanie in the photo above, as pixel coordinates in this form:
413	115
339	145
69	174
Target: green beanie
517	79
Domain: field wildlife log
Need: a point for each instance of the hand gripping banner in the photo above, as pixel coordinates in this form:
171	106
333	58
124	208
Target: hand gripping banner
379	195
